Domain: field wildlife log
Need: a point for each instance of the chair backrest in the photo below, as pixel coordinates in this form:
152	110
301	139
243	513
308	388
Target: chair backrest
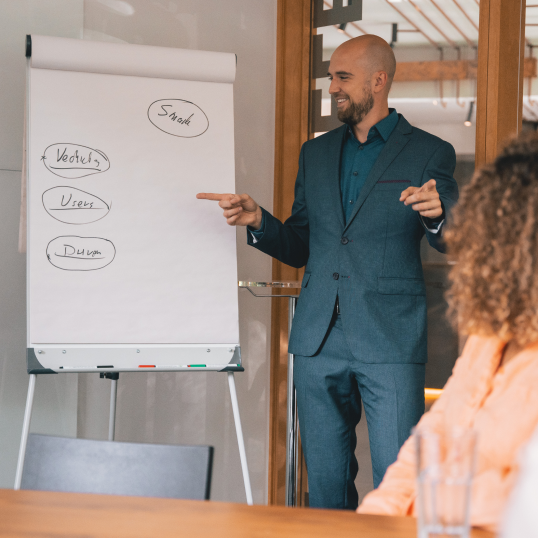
111	467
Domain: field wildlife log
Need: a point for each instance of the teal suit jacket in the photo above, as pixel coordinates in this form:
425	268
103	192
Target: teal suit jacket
372	263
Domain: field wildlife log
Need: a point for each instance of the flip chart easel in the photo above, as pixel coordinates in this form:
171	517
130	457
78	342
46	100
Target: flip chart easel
114	376
119	139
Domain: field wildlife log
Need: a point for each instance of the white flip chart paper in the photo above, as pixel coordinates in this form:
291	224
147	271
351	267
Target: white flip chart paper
120	140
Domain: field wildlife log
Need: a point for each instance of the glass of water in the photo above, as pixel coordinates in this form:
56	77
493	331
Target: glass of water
445	467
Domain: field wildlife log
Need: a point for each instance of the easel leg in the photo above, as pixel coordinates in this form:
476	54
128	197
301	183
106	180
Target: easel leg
113	376
240	441
112	416
25	430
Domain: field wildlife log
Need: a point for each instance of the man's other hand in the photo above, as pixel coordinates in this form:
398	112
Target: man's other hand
239	209
425	199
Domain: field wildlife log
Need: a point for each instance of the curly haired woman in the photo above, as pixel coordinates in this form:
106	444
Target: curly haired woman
494	299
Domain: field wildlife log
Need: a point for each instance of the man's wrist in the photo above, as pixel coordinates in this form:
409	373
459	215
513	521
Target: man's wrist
257	224
257	234
441	217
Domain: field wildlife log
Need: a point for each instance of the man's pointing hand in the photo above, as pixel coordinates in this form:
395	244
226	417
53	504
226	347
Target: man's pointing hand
425	199
239	209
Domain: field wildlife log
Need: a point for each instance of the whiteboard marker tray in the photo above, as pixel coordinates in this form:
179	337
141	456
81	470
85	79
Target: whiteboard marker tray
50	359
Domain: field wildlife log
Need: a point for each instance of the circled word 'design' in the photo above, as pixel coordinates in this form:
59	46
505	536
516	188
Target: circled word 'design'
73	161
177	117
74	253
74	206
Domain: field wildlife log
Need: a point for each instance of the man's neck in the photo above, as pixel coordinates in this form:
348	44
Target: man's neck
361	130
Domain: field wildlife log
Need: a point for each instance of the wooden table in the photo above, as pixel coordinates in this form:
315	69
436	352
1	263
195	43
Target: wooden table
73	515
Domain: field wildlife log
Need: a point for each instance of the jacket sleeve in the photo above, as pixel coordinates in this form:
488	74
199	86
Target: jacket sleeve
441	168
287	242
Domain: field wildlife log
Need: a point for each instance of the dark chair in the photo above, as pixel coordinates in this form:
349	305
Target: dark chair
110	467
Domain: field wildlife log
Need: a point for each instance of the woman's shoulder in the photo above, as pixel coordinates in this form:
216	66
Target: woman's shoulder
477	363
480	349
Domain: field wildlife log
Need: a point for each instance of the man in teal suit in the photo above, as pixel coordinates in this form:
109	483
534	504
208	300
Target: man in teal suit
365	195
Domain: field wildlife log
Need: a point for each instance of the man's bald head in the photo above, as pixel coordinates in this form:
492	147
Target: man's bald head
371	52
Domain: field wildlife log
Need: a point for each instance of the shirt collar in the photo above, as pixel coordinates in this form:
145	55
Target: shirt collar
387	125
384	127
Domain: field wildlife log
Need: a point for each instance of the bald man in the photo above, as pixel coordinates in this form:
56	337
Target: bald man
365	195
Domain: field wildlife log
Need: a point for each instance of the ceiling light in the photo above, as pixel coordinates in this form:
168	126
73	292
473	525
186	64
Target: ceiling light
468	122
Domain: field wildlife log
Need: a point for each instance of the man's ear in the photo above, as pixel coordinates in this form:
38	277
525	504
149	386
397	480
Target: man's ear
380	81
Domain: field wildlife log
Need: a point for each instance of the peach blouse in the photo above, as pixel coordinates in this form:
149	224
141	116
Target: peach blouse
501	404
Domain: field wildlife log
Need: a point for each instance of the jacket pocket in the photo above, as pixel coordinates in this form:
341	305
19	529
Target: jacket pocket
306	278
401	286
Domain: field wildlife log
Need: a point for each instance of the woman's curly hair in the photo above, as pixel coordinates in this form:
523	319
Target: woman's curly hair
494	240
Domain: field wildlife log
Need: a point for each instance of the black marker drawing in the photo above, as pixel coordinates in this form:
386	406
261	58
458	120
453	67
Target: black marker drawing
73	161
74	253
177	117
73	206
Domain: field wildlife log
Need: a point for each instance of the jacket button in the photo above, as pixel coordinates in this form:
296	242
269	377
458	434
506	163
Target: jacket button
344	240
336	276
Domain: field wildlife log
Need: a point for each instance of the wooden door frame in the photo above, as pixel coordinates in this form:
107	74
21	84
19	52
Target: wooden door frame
501	53
294	31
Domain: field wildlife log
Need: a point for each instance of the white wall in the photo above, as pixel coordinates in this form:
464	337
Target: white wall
56	398
164	408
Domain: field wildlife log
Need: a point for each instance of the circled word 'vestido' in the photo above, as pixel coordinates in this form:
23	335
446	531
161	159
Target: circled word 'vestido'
177	117
73	161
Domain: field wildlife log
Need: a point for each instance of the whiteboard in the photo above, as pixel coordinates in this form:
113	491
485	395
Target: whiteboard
125	265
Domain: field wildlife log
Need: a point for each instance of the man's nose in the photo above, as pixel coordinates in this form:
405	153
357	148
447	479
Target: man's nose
333	88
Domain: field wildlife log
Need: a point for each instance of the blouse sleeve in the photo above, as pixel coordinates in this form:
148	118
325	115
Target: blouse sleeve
396	493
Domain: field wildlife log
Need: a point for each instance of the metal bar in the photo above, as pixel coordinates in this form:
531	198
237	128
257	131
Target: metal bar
448	40
355	25
338	29
240	440
466	15
458	85
441	91
291	426
469	42
436	45
112	415
25	430
296	444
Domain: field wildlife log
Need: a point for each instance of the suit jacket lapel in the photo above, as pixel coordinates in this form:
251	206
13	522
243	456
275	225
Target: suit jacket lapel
394	145
334	151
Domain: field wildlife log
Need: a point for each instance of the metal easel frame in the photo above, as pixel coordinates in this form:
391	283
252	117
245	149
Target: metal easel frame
292	430
114	376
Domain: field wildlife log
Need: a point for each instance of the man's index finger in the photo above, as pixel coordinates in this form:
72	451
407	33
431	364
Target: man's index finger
211	196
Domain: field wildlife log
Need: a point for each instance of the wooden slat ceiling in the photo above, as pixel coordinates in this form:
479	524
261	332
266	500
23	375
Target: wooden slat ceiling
433	23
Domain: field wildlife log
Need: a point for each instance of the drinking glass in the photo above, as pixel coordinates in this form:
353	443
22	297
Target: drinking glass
445	467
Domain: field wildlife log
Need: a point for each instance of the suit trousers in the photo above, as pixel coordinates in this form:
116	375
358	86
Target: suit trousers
330	386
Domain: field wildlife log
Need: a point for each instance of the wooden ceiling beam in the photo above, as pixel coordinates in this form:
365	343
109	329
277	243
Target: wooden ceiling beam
448	70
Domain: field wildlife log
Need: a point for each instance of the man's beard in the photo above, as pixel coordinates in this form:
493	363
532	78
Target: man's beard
354	113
